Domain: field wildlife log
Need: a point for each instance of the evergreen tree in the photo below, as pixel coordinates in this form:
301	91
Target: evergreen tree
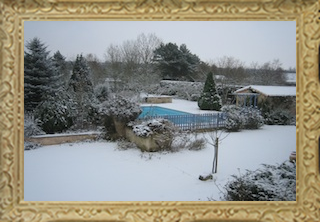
209	99
40	78
61	68
176	63
81	89
57	113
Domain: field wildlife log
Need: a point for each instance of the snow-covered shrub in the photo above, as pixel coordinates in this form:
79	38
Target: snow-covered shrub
31	127
242	118
115	113
161	130
197	144
272	183
187	140
253	118
30	146
57	113
235	120
121	108
151	127
278	117
102	91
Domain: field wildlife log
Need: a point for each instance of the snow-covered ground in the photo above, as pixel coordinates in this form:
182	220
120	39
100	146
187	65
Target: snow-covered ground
98	171
182	105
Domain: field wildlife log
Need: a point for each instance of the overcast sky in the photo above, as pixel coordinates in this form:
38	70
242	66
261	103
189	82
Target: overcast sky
248	41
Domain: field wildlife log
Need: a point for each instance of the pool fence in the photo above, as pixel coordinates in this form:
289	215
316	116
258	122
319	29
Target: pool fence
195	121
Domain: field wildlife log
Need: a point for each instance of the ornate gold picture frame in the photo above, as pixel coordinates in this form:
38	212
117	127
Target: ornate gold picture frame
12	17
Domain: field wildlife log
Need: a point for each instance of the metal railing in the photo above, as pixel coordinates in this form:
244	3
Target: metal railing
194	121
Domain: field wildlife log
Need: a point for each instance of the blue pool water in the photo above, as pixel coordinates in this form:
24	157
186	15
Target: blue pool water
182	118
159	111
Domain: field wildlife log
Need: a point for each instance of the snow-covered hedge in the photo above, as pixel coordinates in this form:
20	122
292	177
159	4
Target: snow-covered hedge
121	108
242	118
271	183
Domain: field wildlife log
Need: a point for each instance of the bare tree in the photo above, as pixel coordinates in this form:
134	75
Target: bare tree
146	45
232	69
269	73
131	61
215	138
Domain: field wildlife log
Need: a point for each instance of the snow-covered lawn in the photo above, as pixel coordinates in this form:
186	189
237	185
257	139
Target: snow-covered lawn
98	171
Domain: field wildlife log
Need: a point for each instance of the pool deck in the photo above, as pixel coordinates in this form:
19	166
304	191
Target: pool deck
182	105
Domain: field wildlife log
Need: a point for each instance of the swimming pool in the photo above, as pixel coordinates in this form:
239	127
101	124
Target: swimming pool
183	119
154	111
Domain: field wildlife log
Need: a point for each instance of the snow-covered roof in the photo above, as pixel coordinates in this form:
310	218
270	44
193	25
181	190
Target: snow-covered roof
271	90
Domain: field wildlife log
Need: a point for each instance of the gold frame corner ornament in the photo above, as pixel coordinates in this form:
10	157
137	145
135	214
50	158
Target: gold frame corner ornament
12	17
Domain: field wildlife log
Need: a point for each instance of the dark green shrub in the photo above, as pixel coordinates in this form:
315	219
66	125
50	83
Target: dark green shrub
209	98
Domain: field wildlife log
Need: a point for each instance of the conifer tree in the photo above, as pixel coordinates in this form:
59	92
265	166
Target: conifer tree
81	89
209	99
60	65
40	78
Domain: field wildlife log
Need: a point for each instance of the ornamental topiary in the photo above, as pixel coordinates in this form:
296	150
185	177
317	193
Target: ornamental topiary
209	99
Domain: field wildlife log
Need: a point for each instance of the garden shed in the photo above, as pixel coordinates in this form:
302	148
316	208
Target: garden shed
280	97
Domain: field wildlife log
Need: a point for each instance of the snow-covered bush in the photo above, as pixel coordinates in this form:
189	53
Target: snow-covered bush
235	120
242	118
31	127
161	130
278	117
272	183
151	127
253	118
116	112
102	91
187	140
121	108
197	144
57	113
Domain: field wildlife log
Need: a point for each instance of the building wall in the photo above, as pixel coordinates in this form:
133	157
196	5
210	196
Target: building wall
274	102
